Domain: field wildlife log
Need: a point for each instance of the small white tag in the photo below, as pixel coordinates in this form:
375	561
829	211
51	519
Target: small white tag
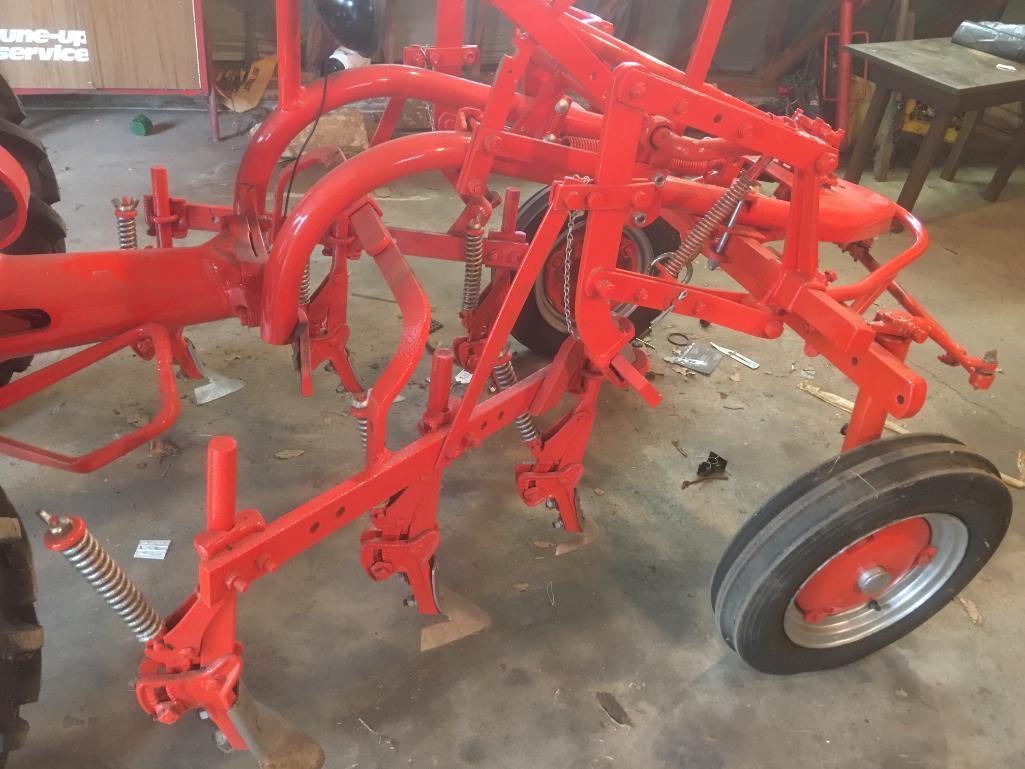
464	377
152	549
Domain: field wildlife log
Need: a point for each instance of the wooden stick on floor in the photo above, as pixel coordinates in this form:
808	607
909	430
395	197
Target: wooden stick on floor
843	404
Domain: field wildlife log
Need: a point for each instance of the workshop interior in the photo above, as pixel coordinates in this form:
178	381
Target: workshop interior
511	383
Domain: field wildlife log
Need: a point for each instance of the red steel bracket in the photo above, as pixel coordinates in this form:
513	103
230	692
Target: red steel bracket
19	390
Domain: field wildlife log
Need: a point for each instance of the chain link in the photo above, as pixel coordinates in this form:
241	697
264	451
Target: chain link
567	269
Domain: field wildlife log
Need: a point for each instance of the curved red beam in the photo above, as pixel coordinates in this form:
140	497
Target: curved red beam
378	81
331	197
868	289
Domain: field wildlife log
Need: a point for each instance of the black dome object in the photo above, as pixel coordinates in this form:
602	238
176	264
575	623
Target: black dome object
356	23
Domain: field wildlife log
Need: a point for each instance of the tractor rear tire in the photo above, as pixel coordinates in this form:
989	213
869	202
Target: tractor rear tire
540	326
44	231
858	553
21	637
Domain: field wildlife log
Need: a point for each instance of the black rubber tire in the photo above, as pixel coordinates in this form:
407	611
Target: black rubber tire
32	157
44	231
826	511
10	104
21	637
806	484
531	329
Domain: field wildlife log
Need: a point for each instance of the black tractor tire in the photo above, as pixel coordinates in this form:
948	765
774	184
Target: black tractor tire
805	484
830	513
44	231
21	637
10	104
533	329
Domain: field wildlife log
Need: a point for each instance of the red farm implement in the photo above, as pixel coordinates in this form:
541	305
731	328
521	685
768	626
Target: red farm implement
648	170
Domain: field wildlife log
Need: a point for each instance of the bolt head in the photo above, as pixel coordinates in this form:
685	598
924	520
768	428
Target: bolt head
562	106
640	218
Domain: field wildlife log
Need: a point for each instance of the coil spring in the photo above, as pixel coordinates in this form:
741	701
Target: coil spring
473	268
700	232
304	286
127	225
505	377
117	589
362	427
362	423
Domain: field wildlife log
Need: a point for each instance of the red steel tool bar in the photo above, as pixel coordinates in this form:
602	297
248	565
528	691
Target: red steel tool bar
613	132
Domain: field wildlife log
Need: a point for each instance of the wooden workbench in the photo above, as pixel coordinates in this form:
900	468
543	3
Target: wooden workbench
950	78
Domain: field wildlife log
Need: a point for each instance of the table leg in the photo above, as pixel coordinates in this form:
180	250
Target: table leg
212	110
925	159
869	129
892	121
954	158
1014	157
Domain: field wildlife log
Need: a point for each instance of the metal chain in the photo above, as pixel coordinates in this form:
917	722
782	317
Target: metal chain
567	276
567	269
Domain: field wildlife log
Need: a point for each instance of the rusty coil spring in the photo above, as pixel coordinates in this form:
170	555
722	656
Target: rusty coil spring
473	268
304	286
690	247
505	377
127	233
110	581
127	224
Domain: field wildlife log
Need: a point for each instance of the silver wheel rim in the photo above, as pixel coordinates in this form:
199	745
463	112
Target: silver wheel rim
552	315
948	535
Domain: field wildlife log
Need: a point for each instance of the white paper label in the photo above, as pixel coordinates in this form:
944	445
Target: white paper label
152	549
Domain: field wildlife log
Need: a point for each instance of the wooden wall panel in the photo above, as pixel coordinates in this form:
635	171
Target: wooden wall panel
132	44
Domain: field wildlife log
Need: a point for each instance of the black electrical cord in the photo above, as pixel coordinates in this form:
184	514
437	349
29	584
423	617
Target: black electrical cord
316	122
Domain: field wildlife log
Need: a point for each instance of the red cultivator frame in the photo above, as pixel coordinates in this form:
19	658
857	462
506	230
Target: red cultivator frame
626	143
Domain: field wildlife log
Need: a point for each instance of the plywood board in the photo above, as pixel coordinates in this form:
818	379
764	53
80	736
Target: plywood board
93	44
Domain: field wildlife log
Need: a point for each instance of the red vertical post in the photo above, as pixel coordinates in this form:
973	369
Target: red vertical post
510	210
843	87
707	43
221	482
440	391
289	54
868	420
161	206
450	23
450	29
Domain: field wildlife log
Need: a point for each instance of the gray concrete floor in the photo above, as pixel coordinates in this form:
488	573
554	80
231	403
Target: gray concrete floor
629	615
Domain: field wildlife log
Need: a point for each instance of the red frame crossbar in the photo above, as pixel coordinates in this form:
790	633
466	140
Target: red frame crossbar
624	161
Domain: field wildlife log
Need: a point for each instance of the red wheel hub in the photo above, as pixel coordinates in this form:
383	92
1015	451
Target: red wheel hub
865	569
554	273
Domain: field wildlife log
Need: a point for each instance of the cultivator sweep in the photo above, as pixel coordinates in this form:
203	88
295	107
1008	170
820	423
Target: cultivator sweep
648	169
